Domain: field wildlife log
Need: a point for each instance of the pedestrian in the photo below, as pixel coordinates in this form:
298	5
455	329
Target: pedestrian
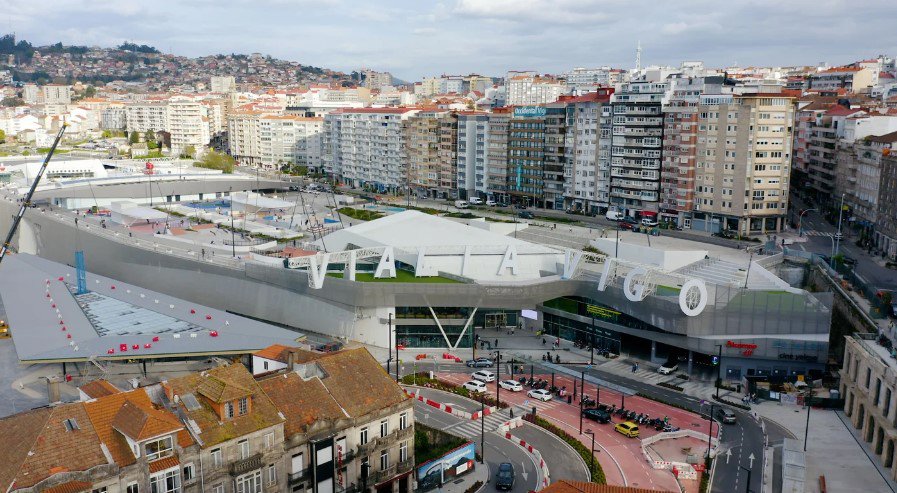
496	343
203	253
511	410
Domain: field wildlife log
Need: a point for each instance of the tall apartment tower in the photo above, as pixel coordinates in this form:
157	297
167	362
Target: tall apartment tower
536	155
636	148
225	84
587	168
473	136
497	155
743	161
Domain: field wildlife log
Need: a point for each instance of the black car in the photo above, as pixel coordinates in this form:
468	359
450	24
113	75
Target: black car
504	479
526	215
480	363
725	415
599	415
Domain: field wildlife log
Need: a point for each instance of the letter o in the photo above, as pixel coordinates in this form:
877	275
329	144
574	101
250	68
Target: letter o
688	306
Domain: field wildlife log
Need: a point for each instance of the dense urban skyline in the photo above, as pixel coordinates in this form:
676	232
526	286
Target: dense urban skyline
413	40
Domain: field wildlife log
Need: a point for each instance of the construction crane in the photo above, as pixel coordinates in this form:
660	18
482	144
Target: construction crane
27	201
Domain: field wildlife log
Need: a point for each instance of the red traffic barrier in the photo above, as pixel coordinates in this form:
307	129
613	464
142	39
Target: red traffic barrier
63	328
122	347
400	346
192	311
135	346
68	336
214	333
61	322
147	346
208	317
110	351
53	305
420	357
113	286
155	338
61	278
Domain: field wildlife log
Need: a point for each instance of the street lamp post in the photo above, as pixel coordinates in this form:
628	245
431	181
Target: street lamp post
800	230
710	433
482	429
581	395
497	379
592	342
592	457
719	369
838	235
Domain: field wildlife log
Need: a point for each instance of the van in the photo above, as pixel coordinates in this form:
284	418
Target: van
614	216
627	428
461	204
475	201
491	203
649	222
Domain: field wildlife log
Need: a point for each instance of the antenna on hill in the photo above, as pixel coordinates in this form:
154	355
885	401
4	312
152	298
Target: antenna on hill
638	56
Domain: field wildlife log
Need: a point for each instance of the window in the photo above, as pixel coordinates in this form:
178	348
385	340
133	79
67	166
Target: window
403	452
189	472
272	474
218	488
244	449
228	410
384	460
132	488
403	421
168	482
158	448
216	457
384	428
250	482
269	440
244	405
363	436
99	490
868	377
70	424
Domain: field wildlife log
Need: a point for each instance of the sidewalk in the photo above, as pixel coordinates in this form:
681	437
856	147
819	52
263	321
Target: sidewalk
832	450
461	485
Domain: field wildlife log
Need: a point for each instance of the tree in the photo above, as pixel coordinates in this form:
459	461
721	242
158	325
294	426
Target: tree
2	136
189	152
216	160
90	92
150	135
10	102
134	138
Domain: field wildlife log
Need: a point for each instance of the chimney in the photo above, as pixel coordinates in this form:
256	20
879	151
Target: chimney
291	360
53	389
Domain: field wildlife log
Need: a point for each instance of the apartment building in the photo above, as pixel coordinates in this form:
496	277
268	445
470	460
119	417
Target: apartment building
366	147
822	151
536	155
334	439
587	167
242	136
447	154
636	148
48	94
188	124
851	78
583	80
743	160
859	175
869	390
376	80
289	139
473	139
422	149
497	155
530	89
115	117
146	115
884	236
224	84
807	114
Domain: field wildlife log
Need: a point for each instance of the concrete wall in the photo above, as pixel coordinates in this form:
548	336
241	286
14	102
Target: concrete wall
667	260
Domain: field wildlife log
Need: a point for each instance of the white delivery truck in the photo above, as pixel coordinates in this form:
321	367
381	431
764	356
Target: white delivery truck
461	204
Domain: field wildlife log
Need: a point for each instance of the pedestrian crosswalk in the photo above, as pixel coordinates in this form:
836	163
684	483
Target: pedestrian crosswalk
472	428
817	233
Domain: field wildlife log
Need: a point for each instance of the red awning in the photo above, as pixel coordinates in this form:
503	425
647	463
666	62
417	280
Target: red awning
649	214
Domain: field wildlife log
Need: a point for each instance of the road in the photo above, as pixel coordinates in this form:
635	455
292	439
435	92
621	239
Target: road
819	234
498	449
744	438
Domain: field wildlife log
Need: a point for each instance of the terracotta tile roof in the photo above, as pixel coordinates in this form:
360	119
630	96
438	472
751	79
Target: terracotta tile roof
17	434
279	352
140	423
302	402
838	110
70	487
212	432
56	448
98	388
357	381
163	464
883	139
103	412
566	486
221	389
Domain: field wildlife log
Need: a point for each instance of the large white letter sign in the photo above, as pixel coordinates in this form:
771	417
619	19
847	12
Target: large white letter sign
509	261
693	297
387	264
637	294
349	272
571	262
605	274
317	274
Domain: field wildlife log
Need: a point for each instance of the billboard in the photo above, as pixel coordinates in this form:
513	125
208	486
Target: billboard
438	471
529	111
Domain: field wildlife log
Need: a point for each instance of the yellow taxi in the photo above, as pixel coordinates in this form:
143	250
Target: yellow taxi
627	428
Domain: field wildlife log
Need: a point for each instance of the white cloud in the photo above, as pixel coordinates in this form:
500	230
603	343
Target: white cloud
424	31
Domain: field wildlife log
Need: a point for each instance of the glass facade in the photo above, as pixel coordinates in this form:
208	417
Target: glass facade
427	334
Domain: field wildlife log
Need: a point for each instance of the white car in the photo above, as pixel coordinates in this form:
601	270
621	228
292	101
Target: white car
483	376
475	201
490	203
667	368
541	394
511	385
649	221
475	386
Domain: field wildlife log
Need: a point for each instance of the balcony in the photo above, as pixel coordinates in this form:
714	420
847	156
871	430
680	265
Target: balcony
300	476
391	472
243	466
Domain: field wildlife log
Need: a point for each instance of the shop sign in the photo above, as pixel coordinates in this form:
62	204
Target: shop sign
748	348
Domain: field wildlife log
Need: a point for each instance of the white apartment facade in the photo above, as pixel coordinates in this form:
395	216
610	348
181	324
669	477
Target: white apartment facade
366	146
146	115
289	139
224	84
473	138
188	123
587	168
529	90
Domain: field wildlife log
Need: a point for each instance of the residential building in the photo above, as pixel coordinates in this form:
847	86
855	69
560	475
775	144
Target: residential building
822	149
422	148
806	115
289	139
473	141
497	155
536	155
48	94
851	78
146	115
869	390
743	158
330	431
366	147
224	84
587	167
529	90
376	80
188	124
115	117
636	147
582	80
239	429
242	136
884	237
447	154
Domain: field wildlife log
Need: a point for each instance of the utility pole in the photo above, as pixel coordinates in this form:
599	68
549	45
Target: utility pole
592	457
719	369
710	433
840	216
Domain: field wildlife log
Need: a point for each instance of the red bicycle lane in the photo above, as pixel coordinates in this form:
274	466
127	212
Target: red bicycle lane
623	461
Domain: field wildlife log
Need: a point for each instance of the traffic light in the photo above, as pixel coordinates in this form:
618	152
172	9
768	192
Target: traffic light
714	360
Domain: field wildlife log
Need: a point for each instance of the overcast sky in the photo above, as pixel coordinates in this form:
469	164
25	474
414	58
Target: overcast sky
418	38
